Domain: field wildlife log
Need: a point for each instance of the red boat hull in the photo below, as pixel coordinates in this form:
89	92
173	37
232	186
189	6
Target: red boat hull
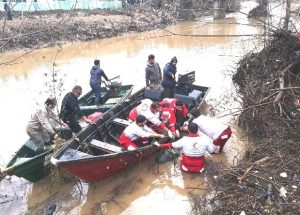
102	167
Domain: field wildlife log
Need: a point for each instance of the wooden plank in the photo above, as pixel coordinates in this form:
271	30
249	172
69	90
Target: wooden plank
106	146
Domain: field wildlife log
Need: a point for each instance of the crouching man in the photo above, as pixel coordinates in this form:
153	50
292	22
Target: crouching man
193	147
213	128
137	134
149	109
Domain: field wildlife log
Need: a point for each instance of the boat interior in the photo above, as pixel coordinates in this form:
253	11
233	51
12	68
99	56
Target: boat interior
102	137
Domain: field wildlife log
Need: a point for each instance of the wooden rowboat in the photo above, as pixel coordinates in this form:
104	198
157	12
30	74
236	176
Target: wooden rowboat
95	153
33	166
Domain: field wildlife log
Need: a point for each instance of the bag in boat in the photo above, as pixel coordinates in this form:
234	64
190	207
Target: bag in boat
95	116
167	155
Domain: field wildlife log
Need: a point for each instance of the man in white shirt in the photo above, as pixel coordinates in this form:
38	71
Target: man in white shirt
149	109
213	128
137	133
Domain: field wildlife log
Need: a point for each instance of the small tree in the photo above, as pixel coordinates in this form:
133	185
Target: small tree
54	81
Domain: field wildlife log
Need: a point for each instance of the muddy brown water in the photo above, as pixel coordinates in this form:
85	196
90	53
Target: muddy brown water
143	189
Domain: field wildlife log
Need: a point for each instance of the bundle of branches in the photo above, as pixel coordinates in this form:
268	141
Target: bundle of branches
267	180
269	84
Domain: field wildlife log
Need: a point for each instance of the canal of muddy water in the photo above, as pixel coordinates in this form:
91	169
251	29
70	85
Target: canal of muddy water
147	188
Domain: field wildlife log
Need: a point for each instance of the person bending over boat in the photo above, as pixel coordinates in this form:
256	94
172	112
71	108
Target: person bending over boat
70	110
39	128
150	110
137	134
213	128
95	81
178	108
169	78
193	147
168	117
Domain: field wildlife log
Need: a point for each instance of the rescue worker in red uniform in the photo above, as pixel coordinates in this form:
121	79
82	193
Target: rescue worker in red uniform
149	109
174	114
168	117
214	129
137	134
193	147
178	107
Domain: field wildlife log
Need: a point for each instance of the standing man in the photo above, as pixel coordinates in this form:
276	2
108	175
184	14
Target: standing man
70	110
213	128
169	81
193	149
95	81
39	128
153	74
137	134
7	9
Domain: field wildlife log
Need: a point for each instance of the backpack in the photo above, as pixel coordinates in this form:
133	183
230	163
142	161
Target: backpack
167	155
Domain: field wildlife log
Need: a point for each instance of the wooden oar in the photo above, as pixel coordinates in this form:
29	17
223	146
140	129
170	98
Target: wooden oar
118	76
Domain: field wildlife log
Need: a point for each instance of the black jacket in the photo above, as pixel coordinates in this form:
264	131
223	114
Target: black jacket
70	107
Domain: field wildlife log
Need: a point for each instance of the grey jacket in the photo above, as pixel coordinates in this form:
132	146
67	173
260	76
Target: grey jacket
153	74
40	120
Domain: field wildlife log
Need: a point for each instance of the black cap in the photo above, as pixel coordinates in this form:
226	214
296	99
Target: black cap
193	127
140	119
174	59
96	62
179	103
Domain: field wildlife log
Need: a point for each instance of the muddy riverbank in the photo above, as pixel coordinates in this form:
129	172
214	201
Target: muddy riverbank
44	29
267	180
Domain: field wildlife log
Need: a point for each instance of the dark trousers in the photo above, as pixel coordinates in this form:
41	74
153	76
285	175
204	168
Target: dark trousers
169	92
97	90
73	124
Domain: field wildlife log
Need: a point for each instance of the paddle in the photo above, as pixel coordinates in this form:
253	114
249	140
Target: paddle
118	76
108	86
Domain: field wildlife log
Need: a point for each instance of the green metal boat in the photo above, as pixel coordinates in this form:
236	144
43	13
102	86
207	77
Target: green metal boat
29	164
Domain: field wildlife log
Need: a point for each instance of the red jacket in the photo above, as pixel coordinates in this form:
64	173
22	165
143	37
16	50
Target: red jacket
170	124
171	103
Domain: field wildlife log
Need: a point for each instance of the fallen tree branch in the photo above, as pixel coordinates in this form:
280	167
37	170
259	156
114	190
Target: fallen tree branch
286	88
247	172
280	94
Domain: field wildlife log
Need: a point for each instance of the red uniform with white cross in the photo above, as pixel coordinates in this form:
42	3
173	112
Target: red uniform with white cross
145	109
171	103
134	135
168	118
193	147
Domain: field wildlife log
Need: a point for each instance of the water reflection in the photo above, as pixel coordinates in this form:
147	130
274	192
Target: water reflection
51	196
144	189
